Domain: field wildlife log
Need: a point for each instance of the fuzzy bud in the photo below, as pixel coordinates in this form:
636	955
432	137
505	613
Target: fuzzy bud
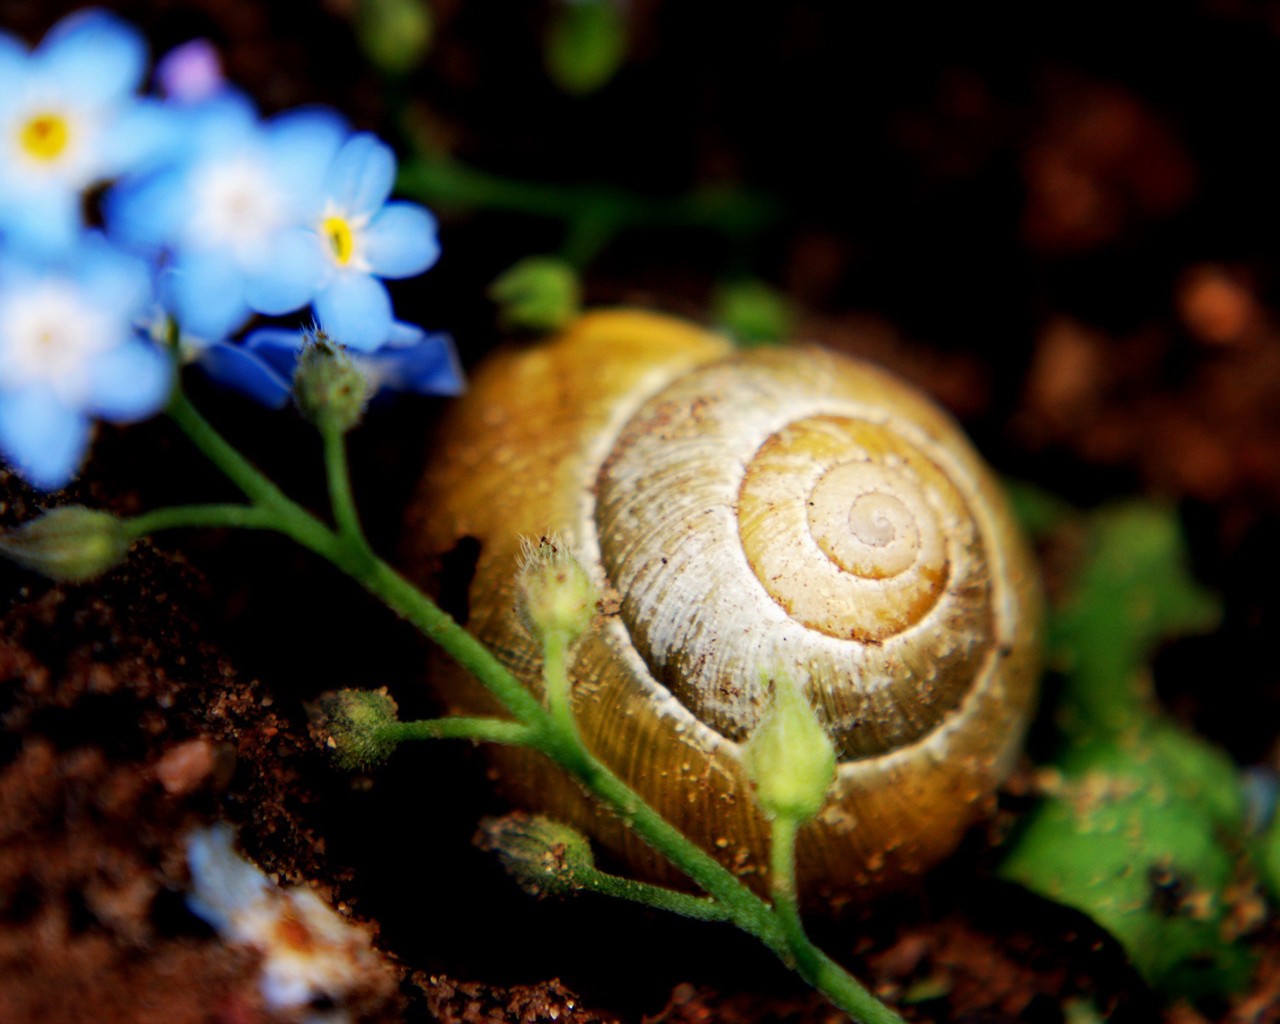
71	544
789	757
328	387
545	857
357	727
556	596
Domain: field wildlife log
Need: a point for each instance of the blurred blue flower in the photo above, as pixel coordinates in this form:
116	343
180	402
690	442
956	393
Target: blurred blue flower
69	119
70	352
232	217
363	238
410	360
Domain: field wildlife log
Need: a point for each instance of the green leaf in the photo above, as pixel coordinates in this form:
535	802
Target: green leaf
1039	512
1133	590
1144	831
1142	838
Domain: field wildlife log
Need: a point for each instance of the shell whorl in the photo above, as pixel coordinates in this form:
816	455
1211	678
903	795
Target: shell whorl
753	525
674	467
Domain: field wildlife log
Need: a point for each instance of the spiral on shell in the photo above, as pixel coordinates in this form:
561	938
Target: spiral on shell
748	515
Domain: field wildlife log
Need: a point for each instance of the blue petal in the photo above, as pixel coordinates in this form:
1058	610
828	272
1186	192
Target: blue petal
361	176
41	438
278	347
207	291
401	241
13	64
288	274
114	281
142	136
429	366
46	220
93	56
147	213
130	382
220	125
355	310
302	144
240	370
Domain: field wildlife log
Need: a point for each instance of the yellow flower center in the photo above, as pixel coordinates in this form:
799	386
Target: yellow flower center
45	137
342	243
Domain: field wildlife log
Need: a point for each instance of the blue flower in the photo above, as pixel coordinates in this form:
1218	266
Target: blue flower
362	238
410	360
69	353
232	217
69	119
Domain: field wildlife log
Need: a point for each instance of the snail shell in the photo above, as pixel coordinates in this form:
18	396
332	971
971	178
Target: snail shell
746	514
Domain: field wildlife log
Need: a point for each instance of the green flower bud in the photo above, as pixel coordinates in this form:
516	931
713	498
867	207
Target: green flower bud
752	312
71	544
789	757
358	727
394	33
555	594
329	389
539	293
585	45
545	857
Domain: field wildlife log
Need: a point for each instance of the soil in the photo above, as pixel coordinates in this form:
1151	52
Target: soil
1063	230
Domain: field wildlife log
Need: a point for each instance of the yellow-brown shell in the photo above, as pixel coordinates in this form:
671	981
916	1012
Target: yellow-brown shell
747	514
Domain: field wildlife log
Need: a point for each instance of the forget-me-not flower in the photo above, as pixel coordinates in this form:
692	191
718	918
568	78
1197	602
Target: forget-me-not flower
363	238
232	218
70	352
68	119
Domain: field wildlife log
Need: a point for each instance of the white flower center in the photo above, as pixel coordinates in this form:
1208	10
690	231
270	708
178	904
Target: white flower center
237	206
48	335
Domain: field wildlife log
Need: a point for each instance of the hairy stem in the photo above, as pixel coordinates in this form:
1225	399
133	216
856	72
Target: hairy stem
248	517
549	729
480	730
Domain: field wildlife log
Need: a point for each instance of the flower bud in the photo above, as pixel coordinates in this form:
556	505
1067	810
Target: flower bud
555	594
71	544
358	727
789	757
539	293
586	44
753	313
395	34
545	857
329	389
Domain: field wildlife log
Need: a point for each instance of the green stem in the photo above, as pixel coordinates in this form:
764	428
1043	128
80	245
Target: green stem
249	517
341	500
551	731
598	210
555	681
700	908
818	969
481	730
353	557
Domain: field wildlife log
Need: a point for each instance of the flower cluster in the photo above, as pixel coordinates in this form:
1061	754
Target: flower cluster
128	221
